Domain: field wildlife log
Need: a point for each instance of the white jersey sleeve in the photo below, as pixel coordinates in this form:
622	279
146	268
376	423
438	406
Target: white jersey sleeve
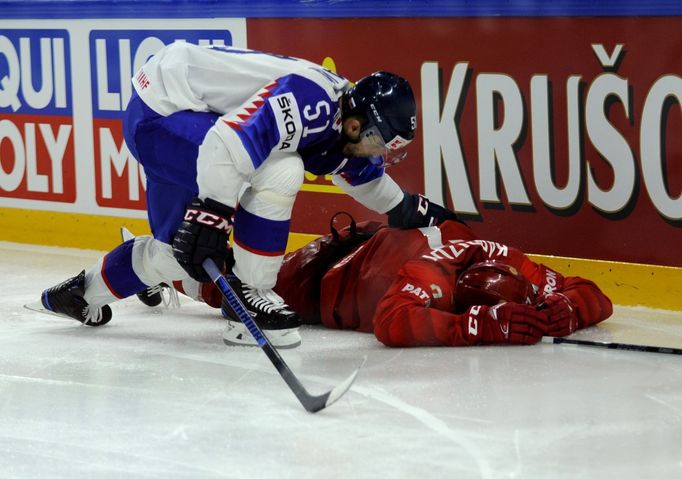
380	194
184	76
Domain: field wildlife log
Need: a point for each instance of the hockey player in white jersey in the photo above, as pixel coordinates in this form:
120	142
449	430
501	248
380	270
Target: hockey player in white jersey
225	136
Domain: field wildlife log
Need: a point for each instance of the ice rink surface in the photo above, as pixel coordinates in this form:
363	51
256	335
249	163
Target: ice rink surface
156	394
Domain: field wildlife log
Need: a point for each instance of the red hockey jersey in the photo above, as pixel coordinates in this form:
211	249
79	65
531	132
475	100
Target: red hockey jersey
400	284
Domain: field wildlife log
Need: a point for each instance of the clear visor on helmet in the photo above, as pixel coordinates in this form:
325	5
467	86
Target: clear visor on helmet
381	153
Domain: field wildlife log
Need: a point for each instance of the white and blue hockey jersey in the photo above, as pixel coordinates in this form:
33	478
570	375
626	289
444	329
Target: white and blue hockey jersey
270	106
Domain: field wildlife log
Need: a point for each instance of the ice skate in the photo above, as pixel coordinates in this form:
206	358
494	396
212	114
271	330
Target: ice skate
279	323
67	298
160	294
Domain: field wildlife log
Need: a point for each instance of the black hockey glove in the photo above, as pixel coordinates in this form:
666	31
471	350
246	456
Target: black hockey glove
204	233
416	211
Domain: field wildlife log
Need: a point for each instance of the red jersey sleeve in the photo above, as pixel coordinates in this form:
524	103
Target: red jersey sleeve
591	304
415	310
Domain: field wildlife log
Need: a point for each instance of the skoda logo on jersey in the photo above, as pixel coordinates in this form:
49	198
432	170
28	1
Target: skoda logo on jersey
288	118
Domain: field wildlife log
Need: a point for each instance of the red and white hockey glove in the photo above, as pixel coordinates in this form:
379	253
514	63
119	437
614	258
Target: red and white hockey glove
507	323
562	315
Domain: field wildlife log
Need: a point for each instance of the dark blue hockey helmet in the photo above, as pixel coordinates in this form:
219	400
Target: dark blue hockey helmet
386	103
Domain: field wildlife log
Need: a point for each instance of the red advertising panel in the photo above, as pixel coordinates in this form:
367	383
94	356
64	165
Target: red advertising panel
557	135
120	178
37	159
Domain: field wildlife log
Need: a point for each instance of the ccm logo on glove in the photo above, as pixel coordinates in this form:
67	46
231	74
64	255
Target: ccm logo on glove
208	219
416	211
204	233
507	323
492	312
473	321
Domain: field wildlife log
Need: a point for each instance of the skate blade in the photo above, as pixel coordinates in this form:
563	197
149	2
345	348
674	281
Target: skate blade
39	308
236	334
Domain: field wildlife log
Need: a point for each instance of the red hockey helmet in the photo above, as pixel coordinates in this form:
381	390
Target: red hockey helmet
492	282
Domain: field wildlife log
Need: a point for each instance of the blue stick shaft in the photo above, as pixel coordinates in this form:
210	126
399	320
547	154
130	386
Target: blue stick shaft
234	301
310	402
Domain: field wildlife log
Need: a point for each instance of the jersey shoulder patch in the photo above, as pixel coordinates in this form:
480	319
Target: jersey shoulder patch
288	118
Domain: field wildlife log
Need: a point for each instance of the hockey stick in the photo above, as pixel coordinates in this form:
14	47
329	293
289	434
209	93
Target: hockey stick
621	346
310	403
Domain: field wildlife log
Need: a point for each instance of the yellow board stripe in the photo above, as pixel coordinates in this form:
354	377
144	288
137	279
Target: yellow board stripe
71	230
322	188
625	283
628	284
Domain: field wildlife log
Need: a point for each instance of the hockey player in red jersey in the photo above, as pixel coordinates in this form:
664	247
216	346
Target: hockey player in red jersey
438	285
